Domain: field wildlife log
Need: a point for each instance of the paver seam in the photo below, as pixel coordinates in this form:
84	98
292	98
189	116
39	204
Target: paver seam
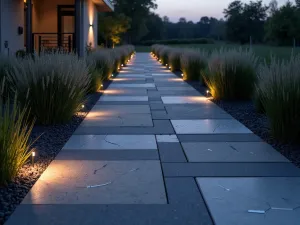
205	202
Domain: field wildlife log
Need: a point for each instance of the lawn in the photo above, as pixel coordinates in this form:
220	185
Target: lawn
263	51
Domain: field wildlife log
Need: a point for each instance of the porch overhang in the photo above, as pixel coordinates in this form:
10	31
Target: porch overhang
104	5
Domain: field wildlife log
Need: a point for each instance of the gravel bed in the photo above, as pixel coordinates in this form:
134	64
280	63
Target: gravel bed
244	111
49	144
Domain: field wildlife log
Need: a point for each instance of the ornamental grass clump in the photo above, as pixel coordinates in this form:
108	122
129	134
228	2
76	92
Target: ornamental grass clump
279	88
164	55
15	130
6	65
53	85
192	63
231	74
174	59
105	61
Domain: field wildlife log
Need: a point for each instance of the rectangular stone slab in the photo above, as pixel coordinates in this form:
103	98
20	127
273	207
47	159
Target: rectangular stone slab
176	89
121	214
231	152
99	182
209	126
110	155
111	142
159	127
123	98
124	91
185	100
218	137
230	199
124	120
147	85
230	170
109	110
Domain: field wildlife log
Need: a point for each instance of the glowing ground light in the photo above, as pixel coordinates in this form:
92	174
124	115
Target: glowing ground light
207	92
32	157
101	85
182	74
122	65
82	106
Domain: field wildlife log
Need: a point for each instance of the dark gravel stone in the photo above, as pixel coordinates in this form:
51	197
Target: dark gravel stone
50	142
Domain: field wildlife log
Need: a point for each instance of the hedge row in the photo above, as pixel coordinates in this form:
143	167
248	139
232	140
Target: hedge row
178	41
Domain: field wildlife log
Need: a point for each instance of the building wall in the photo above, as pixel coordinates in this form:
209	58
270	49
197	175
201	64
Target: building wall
44	20
90	33
11	17
46	14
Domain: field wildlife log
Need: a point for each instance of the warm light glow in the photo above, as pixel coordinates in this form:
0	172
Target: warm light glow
159	60
170	67
33	154
207	91
122	79
82	106
101	85
112	92
175	79
166	64
122	65
182	74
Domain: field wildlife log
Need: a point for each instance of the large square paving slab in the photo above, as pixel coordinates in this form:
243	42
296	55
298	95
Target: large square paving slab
111	142
252	201
123	98
99	182
185	100
231	152
209	126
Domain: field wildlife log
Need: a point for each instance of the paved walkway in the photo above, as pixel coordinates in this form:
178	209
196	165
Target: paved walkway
154	151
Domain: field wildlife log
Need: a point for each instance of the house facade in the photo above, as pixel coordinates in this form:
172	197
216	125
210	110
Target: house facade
33	25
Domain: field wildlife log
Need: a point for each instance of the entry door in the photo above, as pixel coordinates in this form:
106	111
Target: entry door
66	26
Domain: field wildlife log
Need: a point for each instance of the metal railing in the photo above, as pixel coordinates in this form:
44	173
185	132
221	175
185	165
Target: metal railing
53	41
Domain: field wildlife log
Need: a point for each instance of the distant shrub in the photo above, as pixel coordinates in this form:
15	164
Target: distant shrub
279	85
53	86
192	63
231	74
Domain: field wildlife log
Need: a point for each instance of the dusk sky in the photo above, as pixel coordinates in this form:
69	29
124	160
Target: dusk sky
195	9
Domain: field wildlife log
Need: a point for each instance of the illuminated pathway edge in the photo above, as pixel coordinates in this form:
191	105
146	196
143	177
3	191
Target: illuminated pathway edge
155	151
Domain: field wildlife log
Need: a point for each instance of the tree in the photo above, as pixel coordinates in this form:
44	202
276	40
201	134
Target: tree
245	21
138	11
273	7
112	26
155	27
283	26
